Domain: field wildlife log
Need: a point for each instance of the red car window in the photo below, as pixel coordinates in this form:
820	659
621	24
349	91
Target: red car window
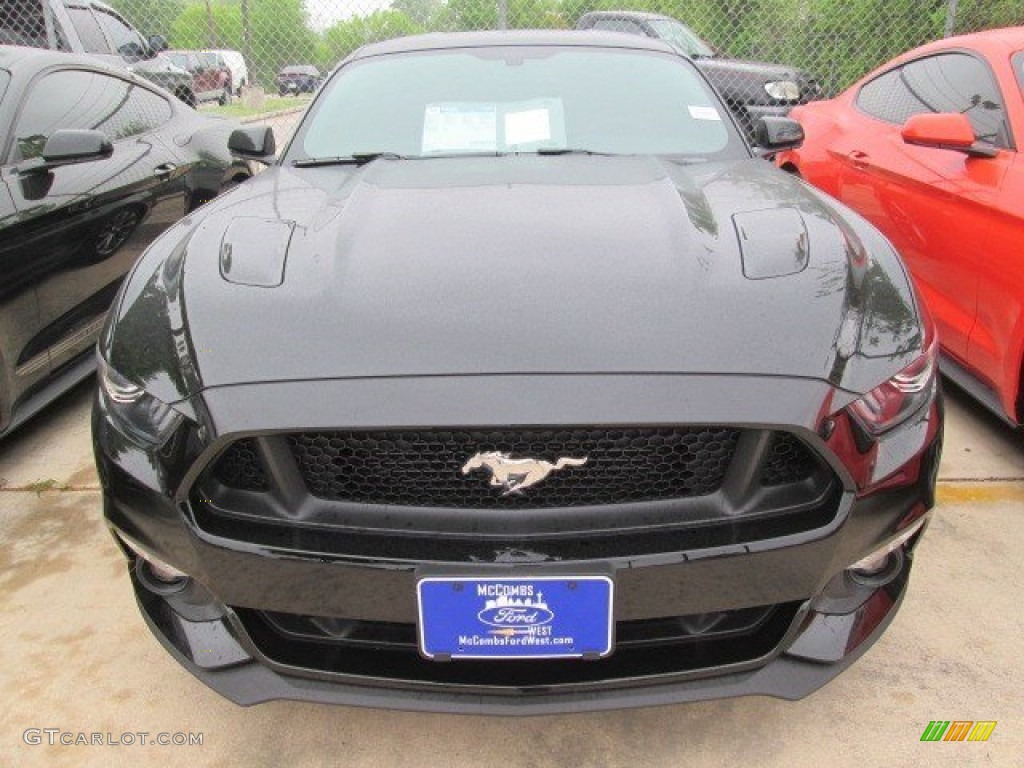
947	82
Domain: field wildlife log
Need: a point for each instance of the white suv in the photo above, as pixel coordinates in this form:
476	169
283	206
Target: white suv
235	63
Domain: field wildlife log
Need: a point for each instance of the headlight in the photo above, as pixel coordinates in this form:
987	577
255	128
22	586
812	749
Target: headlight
134	411
895	400
783	90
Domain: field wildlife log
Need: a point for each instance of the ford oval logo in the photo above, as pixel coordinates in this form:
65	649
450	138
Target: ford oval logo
516	612
515	616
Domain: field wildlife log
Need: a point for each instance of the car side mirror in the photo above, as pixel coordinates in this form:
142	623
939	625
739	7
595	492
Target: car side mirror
69	146
774	134
945	130
158	43
254	142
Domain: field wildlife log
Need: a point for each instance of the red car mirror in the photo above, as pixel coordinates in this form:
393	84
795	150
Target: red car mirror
945	131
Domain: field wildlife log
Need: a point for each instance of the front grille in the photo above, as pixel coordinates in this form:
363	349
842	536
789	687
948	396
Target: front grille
402	494
645	648
425	468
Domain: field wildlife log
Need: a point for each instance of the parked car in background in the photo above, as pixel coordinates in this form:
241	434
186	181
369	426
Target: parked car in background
94	28
516	386
927	147
301	78
751	89
211	79
236	66
96	164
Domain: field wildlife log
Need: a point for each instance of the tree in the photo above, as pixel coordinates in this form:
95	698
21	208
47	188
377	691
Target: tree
483	14
422	13
150	17
348	35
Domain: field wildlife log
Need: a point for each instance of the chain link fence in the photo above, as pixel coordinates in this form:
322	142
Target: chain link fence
826	44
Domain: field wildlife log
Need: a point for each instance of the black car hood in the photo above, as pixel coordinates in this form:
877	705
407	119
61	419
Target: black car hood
518	265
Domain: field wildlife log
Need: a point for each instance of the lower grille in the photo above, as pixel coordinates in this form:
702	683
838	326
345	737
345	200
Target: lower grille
646	648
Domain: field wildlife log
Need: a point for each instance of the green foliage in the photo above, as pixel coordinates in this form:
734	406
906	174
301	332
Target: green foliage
842	40
981	14
522	14
192	28
422	13
345	36
150	17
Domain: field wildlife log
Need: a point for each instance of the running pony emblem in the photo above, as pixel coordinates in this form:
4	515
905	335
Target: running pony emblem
515	475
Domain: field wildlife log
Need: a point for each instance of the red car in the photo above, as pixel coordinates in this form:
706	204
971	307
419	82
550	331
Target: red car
926	148
211	78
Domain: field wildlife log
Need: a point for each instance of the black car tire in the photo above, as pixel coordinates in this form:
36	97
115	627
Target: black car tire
225	97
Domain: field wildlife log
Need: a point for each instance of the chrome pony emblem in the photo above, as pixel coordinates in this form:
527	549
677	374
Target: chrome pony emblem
514	475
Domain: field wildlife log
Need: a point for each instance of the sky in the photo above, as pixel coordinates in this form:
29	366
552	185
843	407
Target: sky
324	13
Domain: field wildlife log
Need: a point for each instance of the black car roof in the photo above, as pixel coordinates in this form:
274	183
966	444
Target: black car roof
498	39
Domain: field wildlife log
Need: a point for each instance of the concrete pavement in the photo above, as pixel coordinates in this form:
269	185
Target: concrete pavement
77	656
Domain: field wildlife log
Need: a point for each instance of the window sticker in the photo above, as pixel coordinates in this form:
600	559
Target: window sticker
479	126
530	125
460	127
704	113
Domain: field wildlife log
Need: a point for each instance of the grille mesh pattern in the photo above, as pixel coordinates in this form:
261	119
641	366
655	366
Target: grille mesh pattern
240	467
789	461
423	468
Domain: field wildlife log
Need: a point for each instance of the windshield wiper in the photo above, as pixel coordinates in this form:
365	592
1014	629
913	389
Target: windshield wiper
356	158
567	151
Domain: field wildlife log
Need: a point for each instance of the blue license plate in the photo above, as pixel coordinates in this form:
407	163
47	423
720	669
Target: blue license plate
515	618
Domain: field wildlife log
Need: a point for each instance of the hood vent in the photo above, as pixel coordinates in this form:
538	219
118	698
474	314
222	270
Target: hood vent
773	243
253	251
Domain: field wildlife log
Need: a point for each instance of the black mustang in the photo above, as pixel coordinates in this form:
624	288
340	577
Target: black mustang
96	164
518	384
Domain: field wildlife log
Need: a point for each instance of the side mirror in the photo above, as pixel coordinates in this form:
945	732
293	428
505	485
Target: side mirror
158	43
774	134
253	142
69	147
944	130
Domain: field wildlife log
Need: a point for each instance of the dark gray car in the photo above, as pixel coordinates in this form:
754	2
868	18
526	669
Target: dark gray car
518	384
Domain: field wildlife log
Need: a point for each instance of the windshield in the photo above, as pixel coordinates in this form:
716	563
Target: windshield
682	37
178	59
517	99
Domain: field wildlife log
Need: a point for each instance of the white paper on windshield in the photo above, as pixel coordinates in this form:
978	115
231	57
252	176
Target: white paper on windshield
460	127
526	126
704	113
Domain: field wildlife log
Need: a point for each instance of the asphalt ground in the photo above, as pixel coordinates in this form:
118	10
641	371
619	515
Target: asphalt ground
75	655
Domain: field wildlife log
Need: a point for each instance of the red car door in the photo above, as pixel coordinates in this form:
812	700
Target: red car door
935	205
998	334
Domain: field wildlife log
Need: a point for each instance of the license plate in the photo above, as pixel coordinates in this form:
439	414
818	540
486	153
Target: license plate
515	618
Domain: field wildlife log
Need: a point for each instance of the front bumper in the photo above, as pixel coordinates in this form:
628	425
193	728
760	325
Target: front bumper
819	647
817	619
